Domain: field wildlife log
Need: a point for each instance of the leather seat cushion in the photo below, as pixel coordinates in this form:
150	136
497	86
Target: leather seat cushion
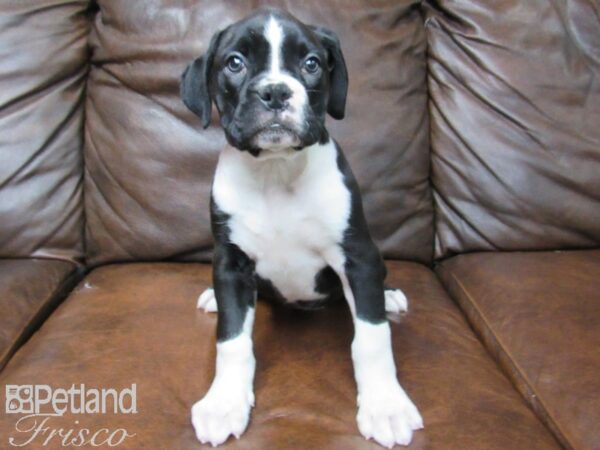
29	289
538	313
138	323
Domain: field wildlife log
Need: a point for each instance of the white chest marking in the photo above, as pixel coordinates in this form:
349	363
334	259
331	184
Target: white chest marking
286	213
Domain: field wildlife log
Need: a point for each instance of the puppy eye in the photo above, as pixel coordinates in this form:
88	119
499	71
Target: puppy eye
311	65
235	64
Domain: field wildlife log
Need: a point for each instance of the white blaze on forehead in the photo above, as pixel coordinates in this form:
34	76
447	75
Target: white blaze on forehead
274	36
298	101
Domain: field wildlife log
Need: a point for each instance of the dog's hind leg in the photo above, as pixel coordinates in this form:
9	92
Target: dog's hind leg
208	302
395	301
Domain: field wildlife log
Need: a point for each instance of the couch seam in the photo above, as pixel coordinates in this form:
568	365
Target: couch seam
61	291
506	361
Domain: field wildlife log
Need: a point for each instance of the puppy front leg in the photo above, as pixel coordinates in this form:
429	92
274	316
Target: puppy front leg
385	412
225	409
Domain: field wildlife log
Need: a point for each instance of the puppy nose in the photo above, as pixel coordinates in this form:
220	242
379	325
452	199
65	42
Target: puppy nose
274	96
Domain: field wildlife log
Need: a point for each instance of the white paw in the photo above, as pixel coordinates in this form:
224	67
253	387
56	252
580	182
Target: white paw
388	416
395	301
207	301
221	413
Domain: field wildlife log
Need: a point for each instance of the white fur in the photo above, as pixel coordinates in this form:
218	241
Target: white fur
395	301
207	301
385	413
274	36
225	409
297	102
336	260
287	213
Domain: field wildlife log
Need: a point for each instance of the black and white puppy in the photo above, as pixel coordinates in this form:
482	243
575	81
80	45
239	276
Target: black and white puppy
287	216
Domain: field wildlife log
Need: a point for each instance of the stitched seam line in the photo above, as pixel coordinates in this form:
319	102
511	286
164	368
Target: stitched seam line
507	363
21	336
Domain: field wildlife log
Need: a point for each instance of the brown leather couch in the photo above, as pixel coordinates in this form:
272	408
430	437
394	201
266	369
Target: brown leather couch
474	130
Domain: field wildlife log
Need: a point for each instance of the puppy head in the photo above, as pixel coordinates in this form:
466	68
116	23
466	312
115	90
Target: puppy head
272	79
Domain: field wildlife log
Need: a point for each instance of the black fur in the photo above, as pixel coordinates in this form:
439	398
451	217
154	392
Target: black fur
365	268
338	74
236	96
243	112
236	283
234	279
195	83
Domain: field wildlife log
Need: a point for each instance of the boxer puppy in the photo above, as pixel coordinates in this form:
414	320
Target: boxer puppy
287	216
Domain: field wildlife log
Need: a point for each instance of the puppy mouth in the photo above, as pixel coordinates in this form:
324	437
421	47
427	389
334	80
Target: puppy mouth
275	135
274	128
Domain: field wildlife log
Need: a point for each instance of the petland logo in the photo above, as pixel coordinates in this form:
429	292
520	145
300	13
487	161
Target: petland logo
41	403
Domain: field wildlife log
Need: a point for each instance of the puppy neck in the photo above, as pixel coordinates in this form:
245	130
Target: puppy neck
281	167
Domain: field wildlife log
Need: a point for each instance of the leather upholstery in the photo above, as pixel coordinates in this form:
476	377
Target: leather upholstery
149	164
515	108
29	289
538	313
43	68
513	94
139	323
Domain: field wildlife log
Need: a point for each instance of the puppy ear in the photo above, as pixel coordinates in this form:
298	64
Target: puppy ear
194	86
338	74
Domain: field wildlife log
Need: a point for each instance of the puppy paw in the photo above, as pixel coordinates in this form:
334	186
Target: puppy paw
221	413
207	301
388	416
395	301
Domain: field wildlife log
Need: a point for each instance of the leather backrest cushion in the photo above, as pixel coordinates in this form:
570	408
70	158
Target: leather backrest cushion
43	67
149	164
515	111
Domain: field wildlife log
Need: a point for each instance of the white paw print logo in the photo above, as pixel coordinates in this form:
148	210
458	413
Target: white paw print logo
19	399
